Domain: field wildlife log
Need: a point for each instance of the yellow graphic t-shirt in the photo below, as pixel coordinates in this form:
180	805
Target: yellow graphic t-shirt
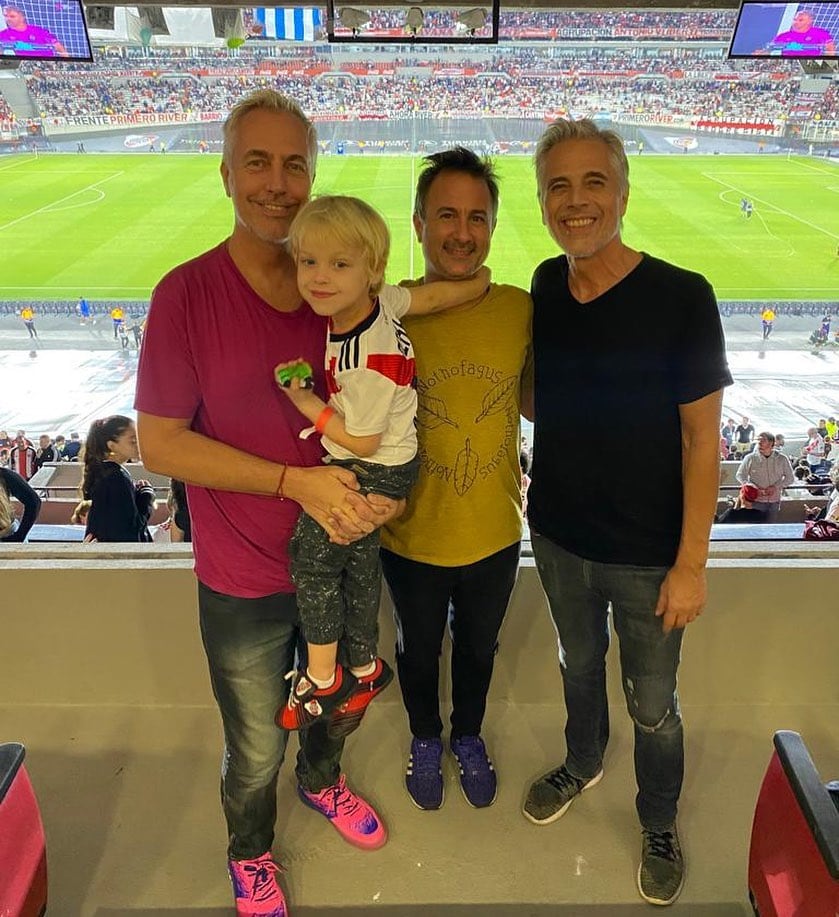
466	504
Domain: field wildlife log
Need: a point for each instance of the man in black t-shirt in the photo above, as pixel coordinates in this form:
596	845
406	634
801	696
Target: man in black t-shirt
618	333
744	436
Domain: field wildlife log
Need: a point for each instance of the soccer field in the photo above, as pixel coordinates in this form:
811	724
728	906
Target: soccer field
109	226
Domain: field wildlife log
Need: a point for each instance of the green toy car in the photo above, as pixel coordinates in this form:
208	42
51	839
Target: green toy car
301	371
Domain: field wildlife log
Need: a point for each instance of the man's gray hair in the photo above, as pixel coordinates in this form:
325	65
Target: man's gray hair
585	129
267	100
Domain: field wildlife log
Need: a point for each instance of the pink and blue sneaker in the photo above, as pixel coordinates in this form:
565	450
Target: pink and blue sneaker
354	819
255	887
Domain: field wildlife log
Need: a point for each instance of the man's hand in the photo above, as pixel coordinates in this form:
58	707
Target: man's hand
323	492
360	515
682	597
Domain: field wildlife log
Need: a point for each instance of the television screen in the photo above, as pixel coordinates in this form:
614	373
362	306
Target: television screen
773	28
43	30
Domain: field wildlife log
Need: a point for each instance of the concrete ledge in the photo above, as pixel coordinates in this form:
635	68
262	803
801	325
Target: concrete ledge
104	680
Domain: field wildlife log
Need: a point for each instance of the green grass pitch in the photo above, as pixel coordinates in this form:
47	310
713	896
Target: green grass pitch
109	226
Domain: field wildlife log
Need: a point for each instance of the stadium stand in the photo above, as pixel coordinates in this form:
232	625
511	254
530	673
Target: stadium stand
702	91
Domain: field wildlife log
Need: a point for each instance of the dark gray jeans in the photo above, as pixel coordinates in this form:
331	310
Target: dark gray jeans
250	646
579	593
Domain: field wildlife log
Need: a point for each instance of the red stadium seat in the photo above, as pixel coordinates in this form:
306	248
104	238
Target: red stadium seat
23	859
794	855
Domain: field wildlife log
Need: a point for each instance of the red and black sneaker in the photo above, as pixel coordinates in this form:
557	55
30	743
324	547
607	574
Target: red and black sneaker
307	703
347	716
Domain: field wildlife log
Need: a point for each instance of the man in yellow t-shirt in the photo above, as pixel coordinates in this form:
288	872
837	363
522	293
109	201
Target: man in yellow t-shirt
767	318
117	317
454	553
28	316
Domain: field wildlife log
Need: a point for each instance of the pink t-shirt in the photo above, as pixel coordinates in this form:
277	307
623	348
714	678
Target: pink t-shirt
209	351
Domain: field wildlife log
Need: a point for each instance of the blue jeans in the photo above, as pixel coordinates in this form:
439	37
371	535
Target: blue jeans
250	646
579	594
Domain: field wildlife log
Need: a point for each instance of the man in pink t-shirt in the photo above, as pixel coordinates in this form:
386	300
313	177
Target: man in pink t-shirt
28	40
804	39
210	414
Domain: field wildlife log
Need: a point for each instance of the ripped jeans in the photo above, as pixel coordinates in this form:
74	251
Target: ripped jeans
579	594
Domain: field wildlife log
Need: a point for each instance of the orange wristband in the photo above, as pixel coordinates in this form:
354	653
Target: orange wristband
279	491
324	418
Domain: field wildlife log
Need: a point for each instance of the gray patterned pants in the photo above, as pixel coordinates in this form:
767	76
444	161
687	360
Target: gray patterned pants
338	586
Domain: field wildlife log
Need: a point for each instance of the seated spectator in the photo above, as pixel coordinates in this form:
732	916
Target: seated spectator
524	462
121	508
831	512
45	452
818	485
72	448
22	457
13	485
814	449
743	508
181	527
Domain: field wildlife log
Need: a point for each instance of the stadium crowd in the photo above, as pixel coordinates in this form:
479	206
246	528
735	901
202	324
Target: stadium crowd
516	83
618	25
813	470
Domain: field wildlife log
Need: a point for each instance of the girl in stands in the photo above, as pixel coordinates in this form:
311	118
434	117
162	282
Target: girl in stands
13	485
120	507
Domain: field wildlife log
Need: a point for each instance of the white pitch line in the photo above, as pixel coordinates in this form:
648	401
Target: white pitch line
766	203
54	209
807	165
20	162
724	199
47	207
729	188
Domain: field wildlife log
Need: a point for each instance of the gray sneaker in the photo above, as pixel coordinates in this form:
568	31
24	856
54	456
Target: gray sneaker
662	870
549	796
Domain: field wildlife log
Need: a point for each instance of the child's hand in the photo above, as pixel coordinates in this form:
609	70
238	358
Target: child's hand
294	378
285	373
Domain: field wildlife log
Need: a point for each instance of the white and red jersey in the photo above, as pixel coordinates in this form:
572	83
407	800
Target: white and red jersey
370	377
22	460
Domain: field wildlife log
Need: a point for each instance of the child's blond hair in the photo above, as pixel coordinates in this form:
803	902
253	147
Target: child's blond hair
352	223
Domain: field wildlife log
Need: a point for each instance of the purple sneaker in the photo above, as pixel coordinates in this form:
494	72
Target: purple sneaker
354	819
424	776
477	775
255	887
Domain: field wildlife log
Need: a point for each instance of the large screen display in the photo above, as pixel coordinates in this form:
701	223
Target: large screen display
773	28
43	30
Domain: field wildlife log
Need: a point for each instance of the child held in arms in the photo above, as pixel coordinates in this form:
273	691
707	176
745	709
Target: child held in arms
341	245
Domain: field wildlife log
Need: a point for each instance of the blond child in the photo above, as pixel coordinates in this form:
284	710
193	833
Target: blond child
341	245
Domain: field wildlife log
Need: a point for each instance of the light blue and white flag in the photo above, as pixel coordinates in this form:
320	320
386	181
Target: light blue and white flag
296	24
